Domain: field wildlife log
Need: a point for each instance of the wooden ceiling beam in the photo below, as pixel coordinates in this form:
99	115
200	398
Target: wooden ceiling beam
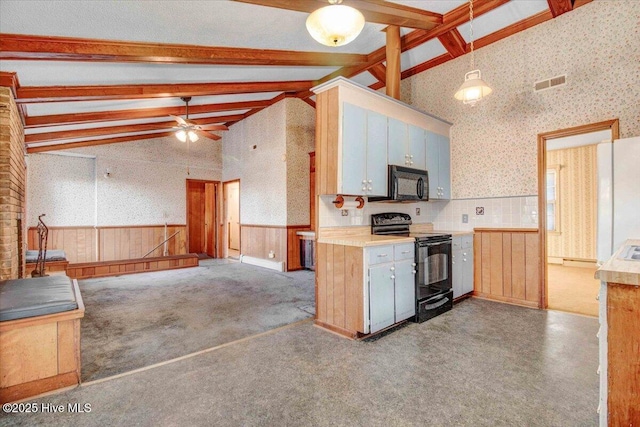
109	130
95	142
10	80
41	48
558	7
377	11
40	94
454	43
140	113
451	21
379	71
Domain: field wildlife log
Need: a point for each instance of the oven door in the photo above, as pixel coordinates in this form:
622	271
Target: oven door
434	269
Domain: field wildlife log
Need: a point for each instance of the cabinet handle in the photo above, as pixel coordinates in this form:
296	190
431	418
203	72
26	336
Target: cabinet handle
382	255
414	272
464	259
392	269
370	188
393	277
453	262
364	181
369	181
464	253
364	188
411	156
410	163
406	252
598	297
406	156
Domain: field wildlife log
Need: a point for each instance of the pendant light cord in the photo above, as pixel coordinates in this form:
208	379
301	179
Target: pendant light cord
473	62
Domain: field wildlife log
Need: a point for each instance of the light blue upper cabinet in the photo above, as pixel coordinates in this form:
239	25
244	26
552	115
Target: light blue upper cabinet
376	154
364	152
439	166
397	149
417	147
354	149
432	161
444	167
407	145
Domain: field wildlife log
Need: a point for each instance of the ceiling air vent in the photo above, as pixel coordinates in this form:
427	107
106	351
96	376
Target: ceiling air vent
549	83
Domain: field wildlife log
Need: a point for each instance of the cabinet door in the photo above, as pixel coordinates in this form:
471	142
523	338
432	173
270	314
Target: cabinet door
397	143
354	149
467	270
405	289
444	167
432	165
381	295
457	275
417	147
376	153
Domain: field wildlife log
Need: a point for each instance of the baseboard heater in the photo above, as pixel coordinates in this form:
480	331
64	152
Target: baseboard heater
260	262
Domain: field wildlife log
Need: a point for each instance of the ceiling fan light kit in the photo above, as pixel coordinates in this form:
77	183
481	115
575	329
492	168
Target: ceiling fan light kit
474	88
336	24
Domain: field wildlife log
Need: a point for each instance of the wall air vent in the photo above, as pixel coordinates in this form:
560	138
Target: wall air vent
550	83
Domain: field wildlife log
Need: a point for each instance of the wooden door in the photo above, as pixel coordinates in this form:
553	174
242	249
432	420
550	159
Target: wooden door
210	218
195	216
201	216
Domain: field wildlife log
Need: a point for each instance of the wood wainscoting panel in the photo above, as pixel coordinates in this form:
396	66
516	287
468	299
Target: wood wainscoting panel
132	242
31	354
258	240
93	244
507	265
78	243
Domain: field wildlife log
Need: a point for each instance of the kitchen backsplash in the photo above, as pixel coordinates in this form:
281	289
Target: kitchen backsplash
499	212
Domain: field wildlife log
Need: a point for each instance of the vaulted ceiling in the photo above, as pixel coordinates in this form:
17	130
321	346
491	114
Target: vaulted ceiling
99	72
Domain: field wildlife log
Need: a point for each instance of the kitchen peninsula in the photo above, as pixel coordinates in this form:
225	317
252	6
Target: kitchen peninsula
620	336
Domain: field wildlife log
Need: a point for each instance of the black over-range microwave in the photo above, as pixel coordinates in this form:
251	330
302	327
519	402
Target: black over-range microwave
406	185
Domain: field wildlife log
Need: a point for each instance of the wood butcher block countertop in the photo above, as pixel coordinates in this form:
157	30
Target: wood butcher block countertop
618	270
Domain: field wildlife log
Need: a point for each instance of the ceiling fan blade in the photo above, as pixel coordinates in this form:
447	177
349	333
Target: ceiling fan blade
212	127
210	135
179	119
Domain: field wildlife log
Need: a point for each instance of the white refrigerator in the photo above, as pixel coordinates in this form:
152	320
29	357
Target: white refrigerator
618	195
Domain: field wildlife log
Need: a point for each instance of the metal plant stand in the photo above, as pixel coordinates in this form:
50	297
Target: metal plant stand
43	234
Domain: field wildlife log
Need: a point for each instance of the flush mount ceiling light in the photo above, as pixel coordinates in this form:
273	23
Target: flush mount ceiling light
336	24
474	88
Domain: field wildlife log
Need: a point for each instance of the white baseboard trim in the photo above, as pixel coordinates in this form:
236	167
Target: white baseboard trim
272	265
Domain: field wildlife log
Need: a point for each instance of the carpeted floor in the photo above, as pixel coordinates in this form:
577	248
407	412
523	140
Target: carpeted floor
573	289
481	364
137	320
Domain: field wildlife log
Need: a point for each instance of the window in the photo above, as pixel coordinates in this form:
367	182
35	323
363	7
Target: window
552	199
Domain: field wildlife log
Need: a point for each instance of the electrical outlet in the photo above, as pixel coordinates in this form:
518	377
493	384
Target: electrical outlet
418	211
465	218
479	210
272	254
345	212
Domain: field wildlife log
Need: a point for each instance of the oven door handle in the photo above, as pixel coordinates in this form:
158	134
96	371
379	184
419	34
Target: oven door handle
436	298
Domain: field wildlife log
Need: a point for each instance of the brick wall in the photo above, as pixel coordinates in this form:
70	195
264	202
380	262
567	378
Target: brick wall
12	188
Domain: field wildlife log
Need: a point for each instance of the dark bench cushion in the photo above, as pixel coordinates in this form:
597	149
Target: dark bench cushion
52	255
39	296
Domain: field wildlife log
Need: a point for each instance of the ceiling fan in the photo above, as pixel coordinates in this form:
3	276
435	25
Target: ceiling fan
189	129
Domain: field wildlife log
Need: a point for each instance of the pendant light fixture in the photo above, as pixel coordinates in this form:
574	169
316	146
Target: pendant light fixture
336	24
474	88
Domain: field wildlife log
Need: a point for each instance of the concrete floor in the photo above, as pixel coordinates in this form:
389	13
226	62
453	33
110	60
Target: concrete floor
481	364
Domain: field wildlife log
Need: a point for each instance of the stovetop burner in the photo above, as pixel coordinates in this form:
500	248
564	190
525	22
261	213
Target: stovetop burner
399	224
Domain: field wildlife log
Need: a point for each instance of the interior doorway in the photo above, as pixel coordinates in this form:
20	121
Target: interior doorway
232	218
201	217
568	206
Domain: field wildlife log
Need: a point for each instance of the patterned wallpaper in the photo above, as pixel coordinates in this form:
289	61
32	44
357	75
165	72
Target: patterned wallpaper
494	144
146	183
577	202
262	171
274	177
61	187
301	120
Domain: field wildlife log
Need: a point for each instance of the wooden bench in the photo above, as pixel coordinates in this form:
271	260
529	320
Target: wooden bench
40	353
88	270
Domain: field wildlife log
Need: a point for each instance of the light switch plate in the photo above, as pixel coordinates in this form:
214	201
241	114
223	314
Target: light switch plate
465	218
